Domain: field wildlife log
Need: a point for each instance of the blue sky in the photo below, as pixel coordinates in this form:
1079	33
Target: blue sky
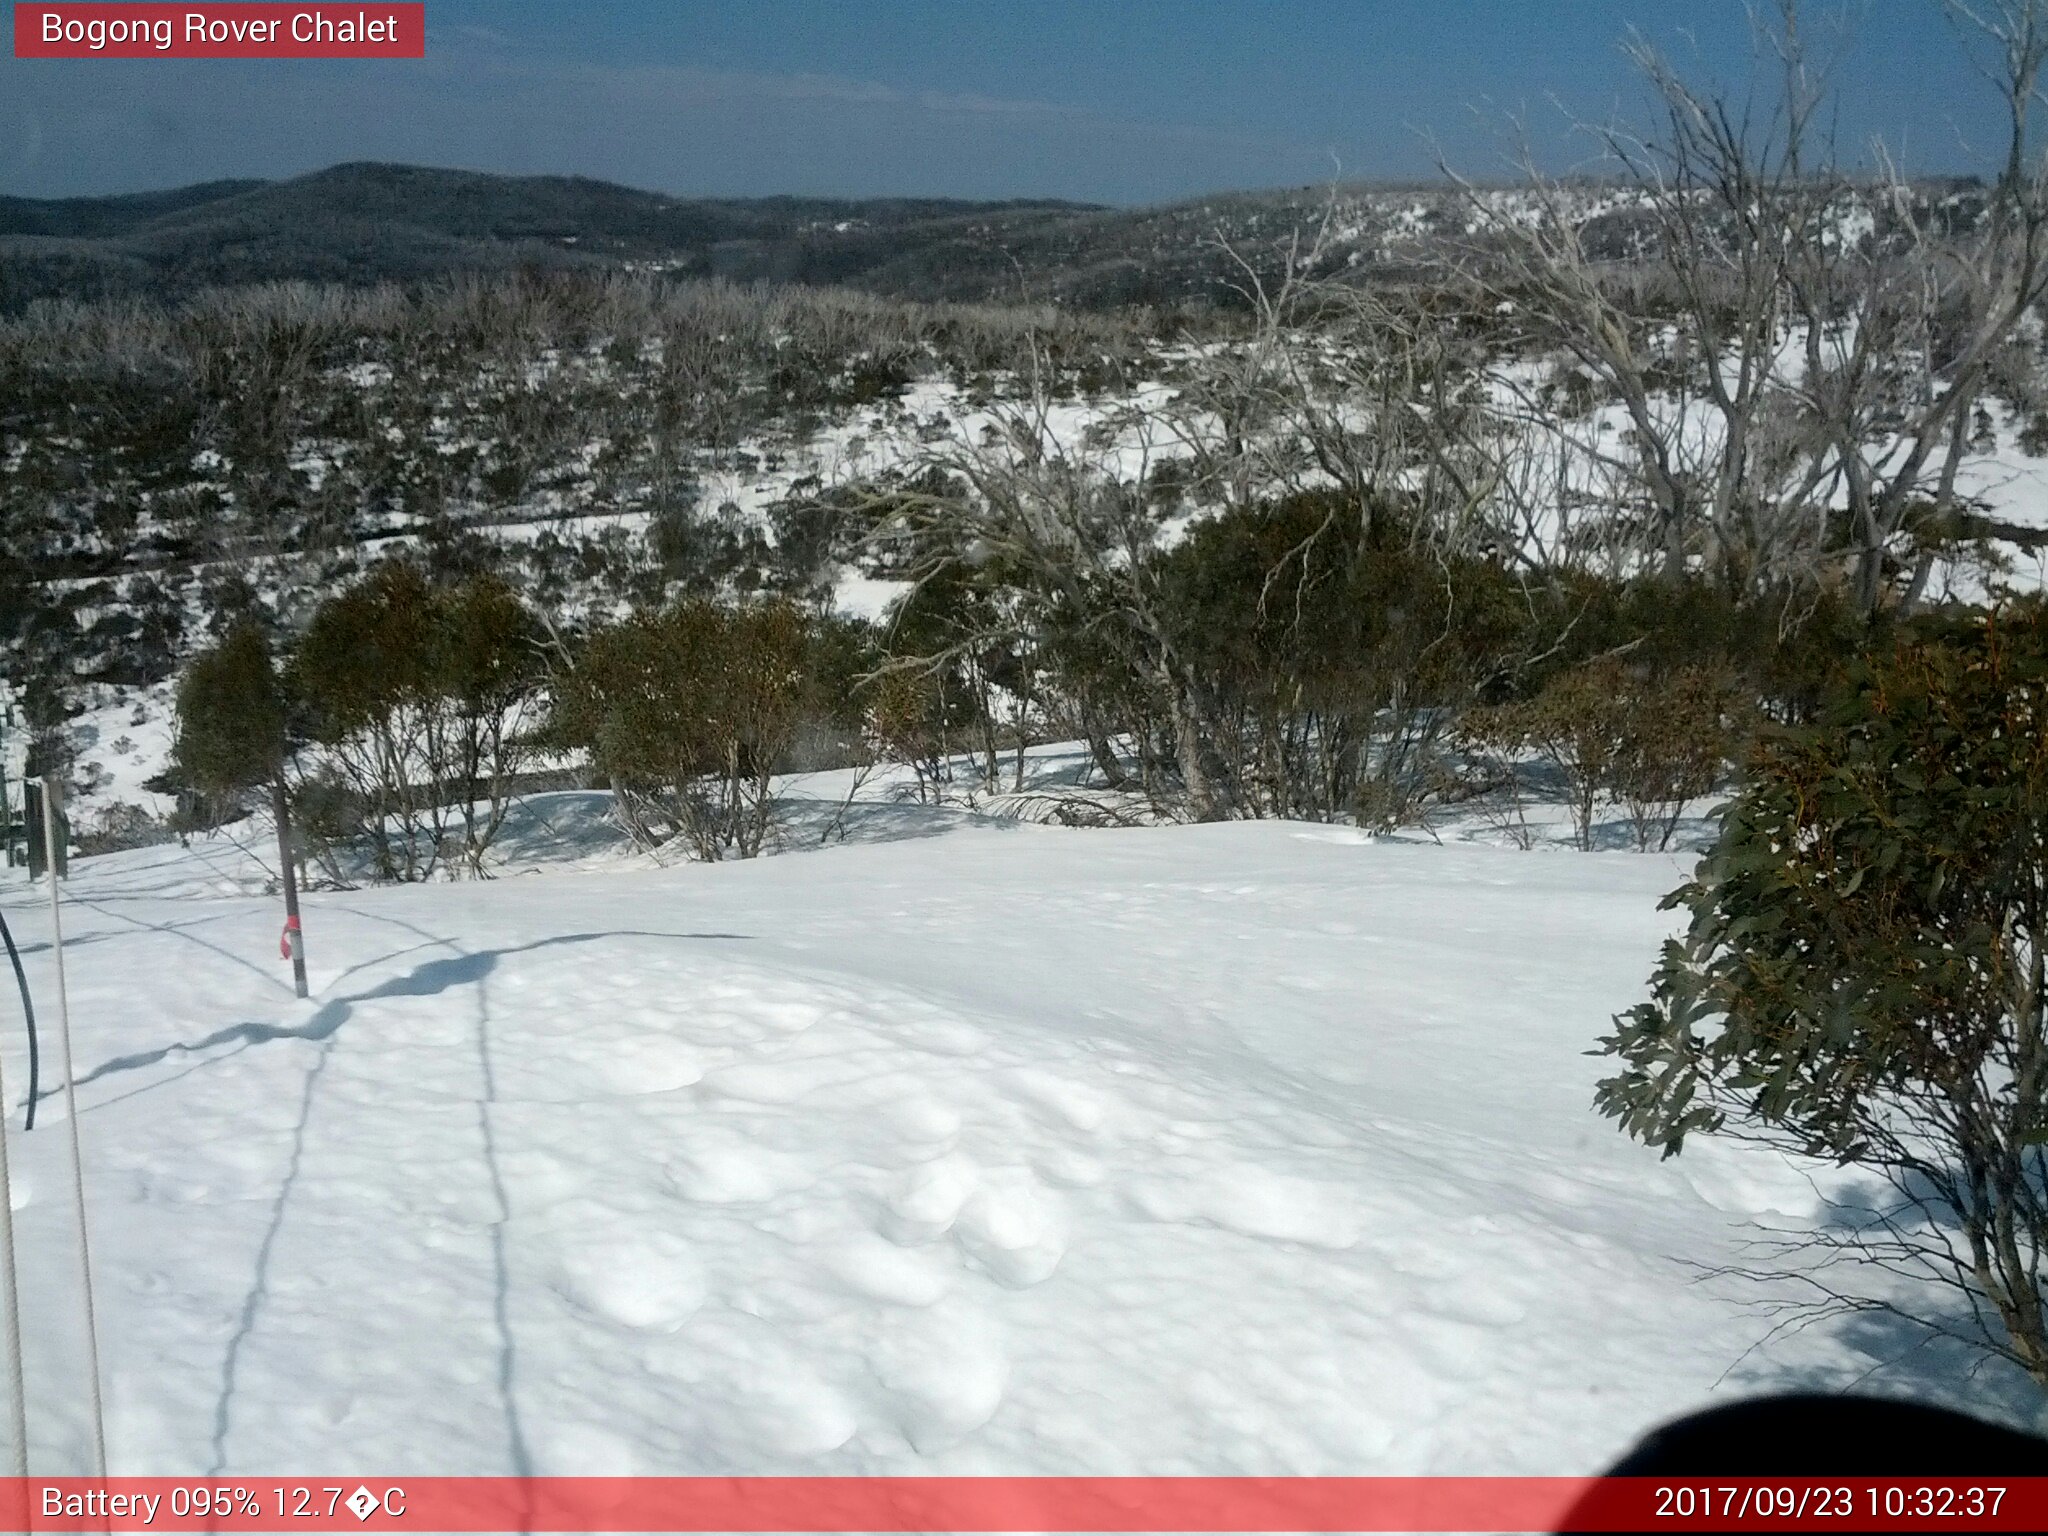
1123	101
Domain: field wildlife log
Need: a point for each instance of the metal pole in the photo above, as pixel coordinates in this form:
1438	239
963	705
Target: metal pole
52	790
10	1303
294	937
17	1395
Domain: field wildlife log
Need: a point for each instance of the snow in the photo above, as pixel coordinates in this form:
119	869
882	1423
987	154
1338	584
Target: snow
122	742
1251	1148
867	597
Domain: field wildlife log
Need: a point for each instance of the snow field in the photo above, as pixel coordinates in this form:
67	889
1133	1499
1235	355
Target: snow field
1252	1148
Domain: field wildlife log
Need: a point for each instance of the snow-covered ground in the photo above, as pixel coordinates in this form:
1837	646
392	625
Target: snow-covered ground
1223	1149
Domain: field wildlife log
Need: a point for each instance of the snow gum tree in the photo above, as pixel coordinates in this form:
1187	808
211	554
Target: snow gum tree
1862	980
487	667
365	667
419	697
1795	347
231	716
1332	651
690	712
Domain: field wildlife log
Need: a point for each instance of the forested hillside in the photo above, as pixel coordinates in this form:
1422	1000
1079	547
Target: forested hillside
365	224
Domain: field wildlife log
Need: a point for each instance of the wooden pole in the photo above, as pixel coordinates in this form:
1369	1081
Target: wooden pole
294	936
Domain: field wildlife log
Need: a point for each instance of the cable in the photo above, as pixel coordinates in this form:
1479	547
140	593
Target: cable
51	852
28	1013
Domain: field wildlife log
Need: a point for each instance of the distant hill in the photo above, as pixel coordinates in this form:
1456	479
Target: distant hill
368	222
365	223
88	218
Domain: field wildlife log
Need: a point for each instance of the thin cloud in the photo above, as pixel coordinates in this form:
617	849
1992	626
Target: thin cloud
683	83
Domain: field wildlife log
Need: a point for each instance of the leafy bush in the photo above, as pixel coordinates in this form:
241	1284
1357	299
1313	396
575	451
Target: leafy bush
1786	649
690	712
1862	977
1326	655
416	696
1576	725
485	672
231	731
1654	742
1680	733
364	670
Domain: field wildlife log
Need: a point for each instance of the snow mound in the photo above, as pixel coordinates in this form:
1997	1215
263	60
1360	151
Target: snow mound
1234	1149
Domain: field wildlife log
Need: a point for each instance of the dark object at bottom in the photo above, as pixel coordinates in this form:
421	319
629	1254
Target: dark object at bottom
1814	1435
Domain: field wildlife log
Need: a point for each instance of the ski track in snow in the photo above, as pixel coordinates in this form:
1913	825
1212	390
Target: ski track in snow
1248	1148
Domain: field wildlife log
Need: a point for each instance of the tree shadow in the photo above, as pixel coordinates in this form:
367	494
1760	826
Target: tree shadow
1899	1337
814	823
171	930
425	980
1882	1353
501	1288
252	1304
428	979
104	935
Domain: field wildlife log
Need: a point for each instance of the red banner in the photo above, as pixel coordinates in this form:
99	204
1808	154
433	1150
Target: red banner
60	30
991	1504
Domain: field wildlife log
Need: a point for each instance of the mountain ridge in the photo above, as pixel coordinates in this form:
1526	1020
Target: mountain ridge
365	221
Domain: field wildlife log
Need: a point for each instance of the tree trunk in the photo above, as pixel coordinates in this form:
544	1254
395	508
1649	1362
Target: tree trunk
1204	796
1112	771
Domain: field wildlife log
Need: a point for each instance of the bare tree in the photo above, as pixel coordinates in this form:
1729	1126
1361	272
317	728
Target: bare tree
1795	379
1061	514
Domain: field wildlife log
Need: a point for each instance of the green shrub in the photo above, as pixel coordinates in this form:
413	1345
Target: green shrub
416	695
1862	976
690	712
231	729
1653	741
1324	654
